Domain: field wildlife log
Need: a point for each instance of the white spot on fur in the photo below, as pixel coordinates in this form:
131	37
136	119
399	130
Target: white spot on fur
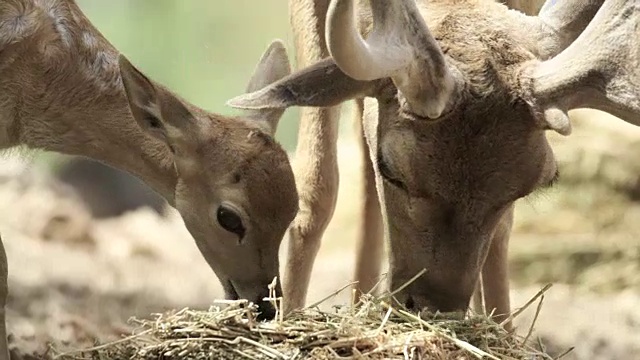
99	60
89	40
58	23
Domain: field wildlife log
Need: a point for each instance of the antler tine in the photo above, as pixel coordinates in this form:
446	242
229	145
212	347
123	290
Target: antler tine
557	25
567	19
600	70
400	46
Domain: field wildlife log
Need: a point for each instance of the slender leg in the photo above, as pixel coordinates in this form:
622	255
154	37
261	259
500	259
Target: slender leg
316	165
317	180
4	292
495	272
370	245
478	298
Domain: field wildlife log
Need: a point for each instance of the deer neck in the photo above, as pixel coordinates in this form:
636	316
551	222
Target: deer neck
98	125
111	137
76	105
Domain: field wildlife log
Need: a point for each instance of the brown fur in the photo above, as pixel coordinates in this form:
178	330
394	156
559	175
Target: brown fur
307	20
448	185
460	176
61	89
316	167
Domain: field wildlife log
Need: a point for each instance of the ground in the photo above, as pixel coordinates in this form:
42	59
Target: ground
73	278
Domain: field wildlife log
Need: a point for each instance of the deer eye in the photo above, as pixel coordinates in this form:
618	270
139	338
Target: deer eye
230	221
386	173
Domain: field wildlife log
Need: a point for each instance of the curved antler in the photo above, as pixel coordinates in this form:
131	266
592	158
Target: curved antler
557	25
399	46
567	19
599	70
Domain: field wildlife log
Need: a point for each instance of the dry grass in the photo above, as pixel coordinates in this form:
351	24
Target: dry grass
373	328
607	264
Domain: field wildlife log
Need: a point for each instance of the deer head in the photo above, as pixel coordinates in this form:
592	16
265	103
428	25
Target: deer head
464	93
229	172
66	88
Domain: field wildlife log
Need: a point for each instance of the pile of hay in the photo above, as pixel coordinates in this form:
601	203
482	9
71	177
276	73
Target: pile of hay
371	329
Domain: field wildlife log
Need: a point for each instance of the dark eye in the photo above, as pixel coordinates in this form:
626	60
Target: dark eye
386	174
230	221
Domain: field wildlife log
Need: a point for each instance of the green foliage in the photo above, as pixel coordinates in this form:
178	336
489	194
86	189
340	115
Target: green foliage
203	50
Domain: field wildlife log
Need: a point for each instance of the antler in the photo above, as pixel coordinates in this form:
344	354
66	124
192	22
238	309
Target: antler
399	46
557	25
600	69
567	19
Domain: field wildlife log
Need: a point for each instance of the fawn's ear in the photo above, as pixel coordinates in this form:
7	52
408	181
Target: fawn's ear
156	110
322	84
273	66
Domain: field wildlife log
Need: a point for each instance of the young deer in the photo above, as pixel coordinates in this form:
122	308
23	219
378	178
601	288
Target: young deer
458	98
65	88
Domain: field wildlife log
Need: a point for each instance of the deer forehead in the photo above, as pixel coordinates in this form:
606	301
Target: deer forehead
467	156
271	193
256	167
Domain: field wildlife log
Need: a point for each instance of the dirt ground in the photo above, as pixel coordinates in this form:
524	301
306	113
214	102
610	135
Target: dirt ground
73	278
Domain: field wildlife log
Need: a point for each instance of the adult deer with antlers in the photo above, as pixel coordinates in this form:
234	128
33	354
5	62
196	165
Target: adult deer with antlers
65	88
458	97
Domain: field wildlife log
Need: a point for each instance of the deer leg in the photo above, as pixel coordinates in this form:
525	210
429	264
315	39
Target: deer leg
478	298
316	164
4	292
370	246
316	171
495	272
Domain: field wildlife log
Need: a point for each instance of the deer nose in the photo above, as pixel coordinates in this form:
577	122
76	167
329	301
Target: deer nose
434	298
266	310
420	303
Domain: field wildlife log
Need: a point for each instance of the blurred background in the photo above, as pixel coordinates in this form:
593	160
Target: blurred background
90	246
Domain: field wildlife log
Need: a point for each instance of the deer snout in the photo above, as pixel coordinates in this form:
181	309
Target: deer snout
259	294
421	303
266	308
426	297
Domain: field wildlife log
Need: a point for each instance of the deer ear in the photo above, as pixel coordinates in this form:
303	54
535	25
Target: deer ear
156	110
273	66
322	84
